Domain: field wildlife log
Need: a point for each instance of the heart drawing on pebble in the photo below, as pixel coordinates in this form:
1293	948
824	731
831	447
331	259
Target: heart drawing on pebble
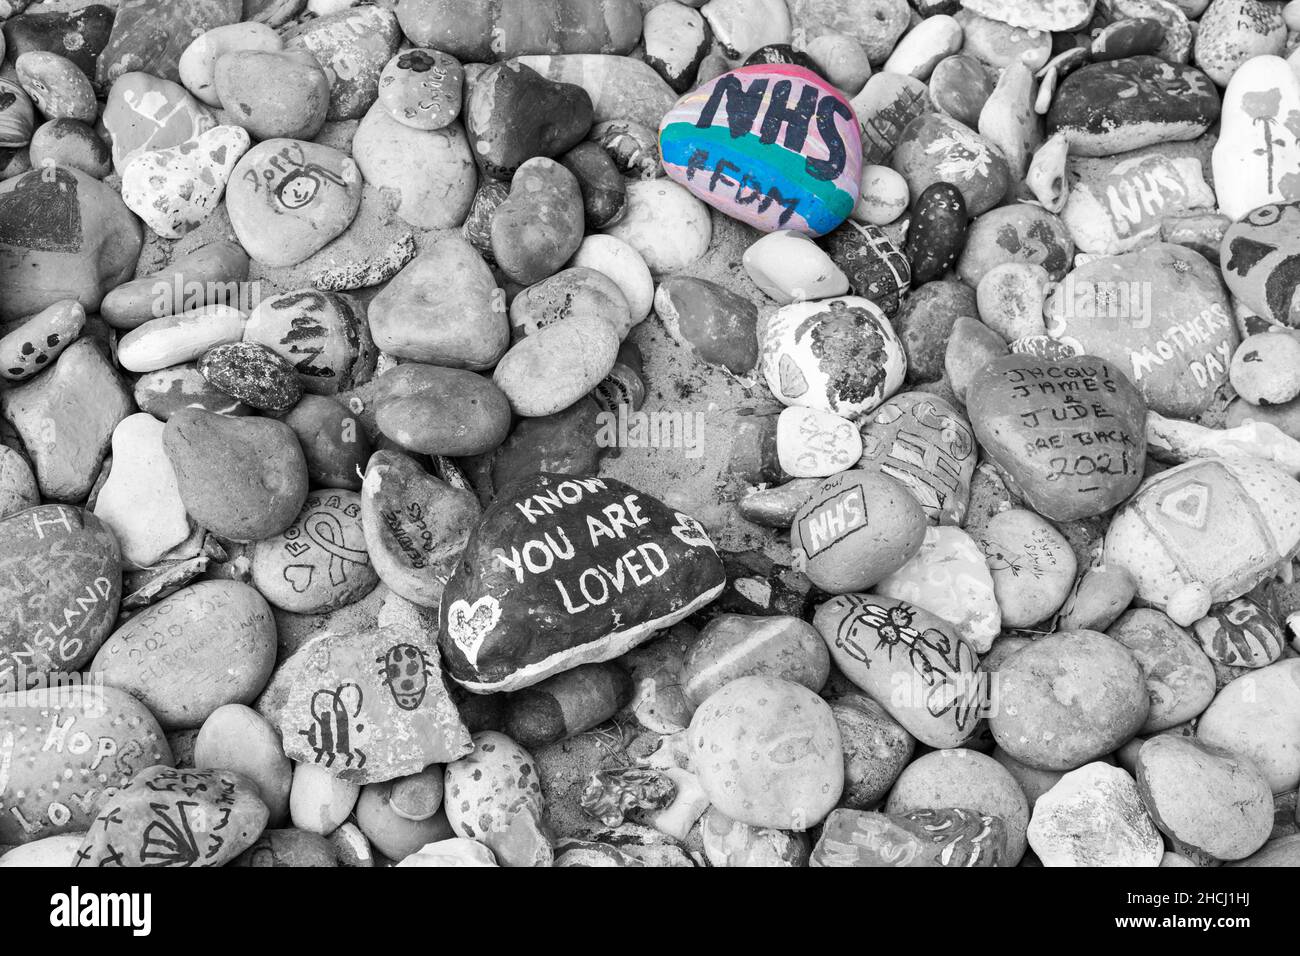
299	576
469	624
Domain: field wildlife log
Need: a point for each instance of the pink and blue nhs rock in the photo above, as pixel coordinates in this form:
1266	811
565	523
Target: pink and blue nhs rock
773	145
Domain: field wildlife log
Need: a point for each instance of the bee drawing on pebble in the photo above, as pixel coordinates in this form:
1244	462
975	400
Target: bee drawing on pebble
406	671
330	735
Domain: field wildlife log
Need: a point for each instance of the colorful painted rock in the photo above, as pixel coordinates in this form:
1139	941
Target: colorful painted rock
1160	315
422	88
854	529
1205	532
949	837
1256	157
60	586
768	753
1070	435
169	817
937	232
1240	633
319	562
775	146
287	199
925	444
415	526
1261	264
949	577
64	751
926	676
876	269
564	571
937	149
207	645
1113	210
320	333
838	355
1108	108
367	706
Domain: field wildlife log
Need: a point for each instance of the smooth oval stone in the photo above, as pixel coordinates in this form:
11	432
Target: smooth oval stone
167	391
1102	594
322	334
1197	534
87	741
207	645
540	224
213	274
1067	699
273	93
63	235
236	737
1160	314
813	444
1070	435
57	86
431	172
839	355
959	86
1257	152
1046	177
1114	107
445	411
31	346
513	114
665	224
677	38
937	232
60	587
1240	633
319	801
333	442
354	45
492	791
620	262
463	322
70	143
574	291
241	478
788	266
390	833
768	753
882	198
1259	264
732	646
318	563
604	194
253	374
1257	716
198	64
876	749
175	339
217	813
949	574
856	528
1094	816
1179	678
547	581
875	267
923	47
926	445
932	689
421	88
145	112
65	418
1207	799
1032	565
930	324
1010	299
415	526
287	199
140	501
720	142
547	372
718	325
1018	233
934	148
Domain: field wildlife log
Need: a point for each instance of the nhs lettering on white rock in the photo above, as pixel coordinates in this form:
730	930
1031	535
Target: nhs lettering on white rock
637	567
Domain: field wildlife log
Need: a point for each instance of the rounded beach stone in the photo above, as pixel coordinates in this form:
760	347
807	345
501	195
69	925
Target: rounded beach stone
70	143
57	86
667	226
1094	816
1179	677
1032	565
273	93
333	441
540	224
323	335
198	63
236	737
574	291
1265	368
443	411
1258	716
732	646
788	266
253	374
547	372
876	749
422	88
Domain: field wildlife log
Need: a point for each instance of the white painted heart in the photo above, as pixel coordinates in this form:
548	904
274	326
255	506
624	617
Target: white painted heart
469	624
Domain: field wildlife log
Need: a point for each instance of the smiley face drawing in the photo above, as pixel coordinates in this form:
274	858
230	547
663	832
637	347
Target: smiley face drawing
297	189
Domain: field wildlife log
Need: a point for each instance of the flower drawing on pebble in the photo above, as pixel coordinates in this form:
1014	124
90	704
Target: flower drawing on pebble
962	156
417	61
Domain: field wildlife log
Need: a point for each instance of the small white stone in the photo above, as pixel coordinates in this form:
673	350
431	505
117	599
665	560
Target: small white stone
814	444
882	198
1094	816
790	267
141	502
